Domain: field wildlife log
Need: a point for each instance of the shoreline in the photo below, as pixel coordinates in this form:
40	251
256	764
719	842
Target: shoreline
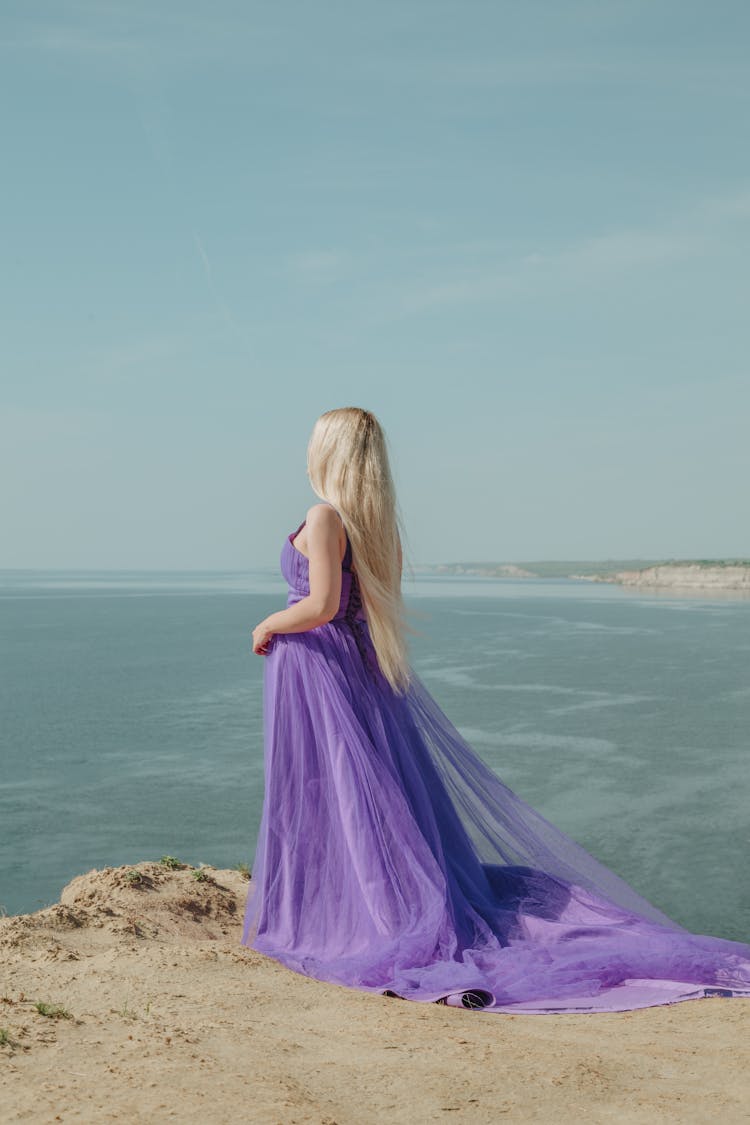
170	1018
682	576
673	575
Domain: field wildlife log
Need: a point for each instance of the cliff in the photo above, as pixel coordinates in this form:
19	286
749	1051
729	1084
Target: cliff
685	575
132	1000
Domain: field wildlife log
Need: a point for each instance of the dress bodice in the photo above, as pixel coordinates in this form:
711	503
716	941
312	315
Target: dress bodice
295	568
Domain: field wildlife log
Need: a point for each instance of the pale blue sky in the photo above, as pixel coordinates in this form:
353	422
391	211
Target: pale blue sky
517	232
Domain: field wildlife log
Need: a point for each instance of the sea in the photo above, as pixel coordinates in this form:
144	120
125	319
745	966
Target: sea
131	722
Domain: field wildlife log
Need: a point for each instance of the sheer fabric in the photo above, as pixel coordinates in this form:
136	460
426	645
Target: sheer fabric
391	858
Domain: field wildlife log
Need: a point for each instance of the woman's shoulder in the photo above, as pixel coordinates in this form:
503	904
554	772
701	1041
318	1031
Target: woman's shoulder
324	513
324	519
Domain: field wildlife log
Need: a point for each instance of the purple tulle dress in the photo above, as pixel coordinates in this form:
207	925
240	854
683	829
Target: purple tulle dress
392	859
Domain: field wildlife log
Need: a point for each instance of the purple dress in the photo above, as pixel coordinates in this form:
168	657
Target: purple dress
392	859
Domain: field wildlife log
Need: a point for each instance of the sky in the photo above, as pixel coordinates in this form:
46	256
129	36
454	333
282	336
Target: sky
516	232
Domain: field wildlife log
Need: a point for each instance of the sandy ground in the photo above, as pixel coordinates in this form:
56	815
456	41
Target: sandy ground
171	1019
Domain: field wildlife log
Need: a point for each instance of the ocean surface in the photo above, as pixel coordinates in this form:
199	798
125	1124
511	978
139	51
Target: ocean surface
131	722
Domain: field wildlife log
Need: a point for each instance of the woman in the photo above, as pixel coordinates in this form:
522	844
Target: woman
390	858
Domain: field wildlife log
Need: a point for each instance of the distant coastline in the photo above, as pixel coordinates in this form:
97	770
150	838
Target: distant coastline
697	574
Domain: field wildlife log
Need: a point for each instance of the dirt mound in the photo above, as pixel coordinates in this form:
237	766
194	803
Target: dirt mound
165	901
133	1000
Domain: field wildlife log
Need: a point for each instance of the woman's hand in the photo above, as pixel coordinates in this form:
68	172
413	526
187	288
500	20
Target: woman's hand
262	637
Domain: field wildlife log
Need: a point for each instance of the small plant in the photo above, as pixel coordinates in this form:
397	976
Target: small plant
5	1038
126	1012
54	1011
201	875
133	876
131	925
243	869
171	861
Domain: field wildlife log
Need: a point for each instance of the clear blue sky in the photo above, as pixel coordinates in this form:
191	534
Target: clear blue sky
517	232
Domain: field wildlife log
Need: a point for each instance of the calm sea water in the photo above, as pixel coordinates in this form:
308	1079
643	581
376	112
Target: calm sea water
131	722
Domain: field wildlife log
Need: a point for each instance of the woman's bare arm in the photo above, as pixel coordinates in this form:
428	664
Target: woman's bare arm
321	604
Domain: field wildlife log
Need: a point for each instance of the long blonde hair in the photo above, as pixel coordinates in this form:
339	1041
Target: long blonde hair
349	467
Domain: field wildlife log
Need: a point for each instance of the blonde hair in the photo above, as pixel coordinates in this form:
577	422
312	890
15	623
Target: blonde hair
349	467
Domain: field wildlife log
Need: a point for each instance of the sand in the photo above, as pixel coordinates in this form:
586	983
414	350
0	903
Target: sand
171	1019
